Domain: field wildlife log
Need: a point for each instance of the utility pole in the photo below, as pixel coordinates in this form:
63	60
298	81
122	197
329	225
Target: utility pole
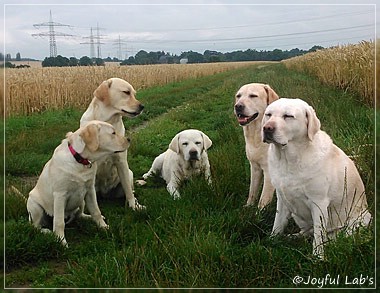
94	40
119	42
52	34
92	44
98	43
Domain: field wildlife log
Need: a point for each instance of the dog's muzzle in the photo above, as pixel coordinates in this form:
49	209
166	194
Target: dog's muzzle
193	155
134	114
268	132
242	118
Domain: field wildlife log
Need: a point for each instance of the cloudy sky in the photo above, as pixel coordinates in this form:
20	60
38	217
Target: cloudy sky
122	29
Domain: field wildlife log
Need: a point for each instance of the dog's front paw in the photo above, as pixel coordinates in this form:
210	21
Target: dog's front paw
145	176
63	242
134	205
140	182
176	195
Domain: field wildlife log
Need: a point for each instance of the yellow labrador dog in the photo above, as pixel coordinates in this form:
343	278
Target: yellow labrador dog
186	156
114	99
251	101
68	178
316	183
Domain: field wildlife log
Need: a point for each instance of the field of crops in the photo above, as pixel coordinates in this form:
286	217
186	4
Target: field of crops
348	67
206	239
32	90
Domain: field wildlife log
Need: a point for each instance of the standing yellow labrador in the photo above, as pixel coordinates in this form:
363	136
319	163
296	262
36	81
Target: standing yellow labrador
316	182
68	178
114	99
251	100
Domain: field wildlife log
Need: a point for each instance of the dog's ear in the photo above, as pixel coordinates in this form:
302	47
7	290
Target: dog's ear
271	94
313	123
102	92
174	144
76	140
207	143
90	137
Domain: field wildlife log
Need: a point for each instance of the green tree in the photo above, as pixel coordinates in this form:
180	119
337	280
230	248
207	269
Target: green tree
142	57
73	61
48	62
193	57
315	48
98	62
130	61
9	65
85	61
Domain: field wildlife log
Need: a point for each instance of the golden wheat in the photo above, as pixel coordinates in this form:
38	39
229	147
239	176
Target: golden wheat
349	67
30	90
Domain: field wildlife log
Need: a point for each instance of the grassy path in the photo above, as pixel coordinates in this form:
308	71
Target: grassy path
205	239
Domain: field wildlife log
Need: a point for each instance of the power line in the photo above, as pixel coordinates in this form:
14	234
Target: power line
51	34
308	43
255	37
266	24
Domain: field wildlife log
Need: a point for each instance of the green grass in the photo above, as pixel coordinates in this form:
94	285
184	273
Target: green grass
205	239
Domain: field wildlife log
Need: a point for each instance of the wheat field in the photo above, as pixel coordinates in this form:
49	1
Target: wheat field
348	67
30	90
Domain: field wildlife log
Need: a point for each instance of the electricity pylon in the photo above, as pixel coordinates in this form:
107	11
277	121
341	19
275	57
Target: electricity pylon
51	33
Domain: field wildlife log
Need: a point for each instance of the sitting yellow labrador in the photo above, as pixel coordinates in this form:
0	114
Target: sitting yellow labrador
186	156
316	182
67	180
114	99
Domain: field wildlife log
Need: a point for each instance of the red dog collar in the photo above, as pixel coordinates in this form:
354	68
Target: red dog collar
79	158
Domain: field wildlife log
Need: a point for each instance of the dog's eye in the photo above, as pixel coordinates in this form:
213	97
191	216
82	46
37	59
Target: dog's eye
253	96
268	115
127	92
198	143
287	116
185	143
238	96
114	132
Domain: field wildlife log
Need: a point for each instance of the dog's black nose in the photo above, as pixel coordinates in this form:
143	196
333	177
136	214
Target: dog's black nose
193	154
141	107
239	108
268	132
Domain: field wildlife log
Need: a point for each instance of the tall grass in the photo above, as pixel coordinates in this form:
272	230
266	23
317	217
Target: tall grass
31	90
348	67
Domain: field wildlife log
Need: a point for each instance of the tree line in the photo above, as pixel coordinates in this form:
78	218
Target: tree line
61	61
161	57
143	57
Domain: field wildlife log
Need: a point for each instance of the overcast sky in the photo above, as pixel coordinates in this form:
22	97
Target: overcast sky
218	25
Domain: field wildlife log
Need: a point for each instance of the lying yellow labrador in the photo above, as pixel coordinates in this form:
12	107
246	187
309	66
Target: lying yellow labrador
186	157
113	100
316	182
251	101
68	178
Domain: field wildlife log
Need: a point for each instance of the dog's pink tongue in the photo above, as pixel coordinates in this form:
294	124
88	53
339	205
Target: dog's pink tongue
242	119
